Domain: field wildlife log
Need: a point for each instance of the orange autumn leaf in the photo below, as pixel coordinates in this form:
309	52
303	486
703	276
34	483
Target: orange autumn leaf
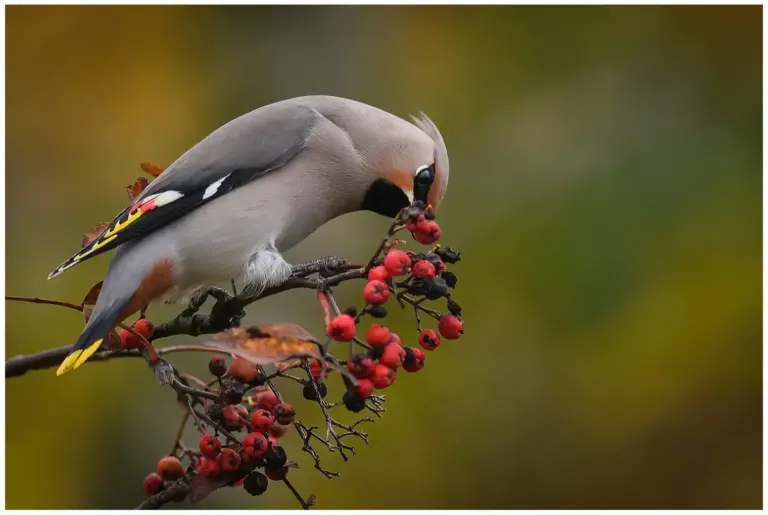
135	189
151	169
266	344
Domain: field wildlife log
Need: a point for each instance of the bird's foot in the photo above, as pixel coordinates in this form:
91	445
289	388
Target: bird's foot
326	267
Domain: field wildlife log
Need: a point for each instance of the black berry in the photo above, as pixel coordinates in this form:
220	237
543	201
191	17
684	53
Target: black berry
353	402
449	278
276	458
310	394
256	483
378	312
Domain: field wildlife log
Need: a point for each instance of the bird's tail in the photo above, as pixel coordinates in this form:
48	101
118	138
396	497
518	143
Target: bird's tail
113	300
88	343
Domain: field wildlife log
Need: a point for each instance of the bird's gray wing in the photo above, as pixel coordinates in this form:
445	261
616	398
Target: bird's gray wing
244	149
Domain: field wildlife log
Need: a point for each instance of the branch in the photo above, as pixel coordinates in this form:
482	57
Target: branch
183	324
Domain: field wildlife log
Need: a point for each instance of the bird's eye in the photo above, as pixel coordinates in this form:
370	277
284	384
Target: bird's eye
426	176
422	182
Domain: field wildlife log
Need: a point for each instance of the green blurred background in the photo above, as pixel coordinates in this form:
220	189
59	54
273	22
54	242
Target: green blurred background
605	190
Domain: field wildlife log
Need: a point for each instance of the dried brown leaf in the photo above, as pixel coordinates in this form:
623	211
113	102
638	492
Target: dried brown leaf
151	169
92	295
93	233
135	189
267	344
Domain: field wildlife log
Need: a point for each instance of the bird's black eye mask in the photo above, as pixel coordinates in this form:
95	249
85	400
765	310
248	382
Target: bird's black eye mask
387	199
422	182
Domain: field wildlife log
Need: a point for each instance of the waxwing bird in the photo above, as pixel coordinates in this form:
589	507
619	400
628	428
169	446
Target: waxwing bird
252	189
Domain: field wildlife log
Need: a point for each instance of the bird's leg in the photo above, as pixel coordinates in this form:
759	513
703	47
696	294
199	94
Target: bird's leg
324	266
226	313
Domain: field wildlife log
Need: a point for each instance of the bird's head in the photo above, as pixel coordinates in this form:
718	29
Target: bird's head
414	167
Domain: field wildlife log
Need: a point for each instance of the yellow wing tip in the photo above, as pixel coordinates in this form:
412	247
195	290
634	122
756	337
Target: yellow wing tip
77	358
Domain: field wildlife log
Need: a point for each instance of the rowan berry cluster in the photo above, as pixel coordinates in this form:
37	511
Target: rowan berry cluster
243	397
261	416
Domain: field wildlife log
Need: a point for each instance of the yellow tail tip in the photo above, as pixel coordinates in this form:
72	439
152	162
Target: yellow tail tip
77	358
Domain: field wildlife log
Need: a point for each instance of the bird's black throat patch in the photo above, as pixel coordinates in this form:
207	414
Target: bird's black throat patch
385	198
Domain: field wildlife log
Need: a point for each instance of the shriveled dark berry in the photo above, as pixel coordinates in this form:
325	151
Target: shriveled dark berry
256	483
429	214
353	402
449	278
351	311
275	458
437	288
454	307
216	412
419	287
378	312
448	255
310	394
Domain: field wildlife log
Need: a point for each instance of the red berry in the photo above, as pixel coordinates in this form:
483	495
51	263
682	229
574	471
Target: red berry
378	273
229	460
365	389
397	262
382	376
128	340
376	292
170	468
342	328
377	335
316	368
232	415
272	440
360	366
393	355
414	360
450	327
266	400
284	413
242	411
261	420
394	338
427	232
210	446
152	483
412	225
144	327
424	269
209	467
243	370
255	444
429	339
217	366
